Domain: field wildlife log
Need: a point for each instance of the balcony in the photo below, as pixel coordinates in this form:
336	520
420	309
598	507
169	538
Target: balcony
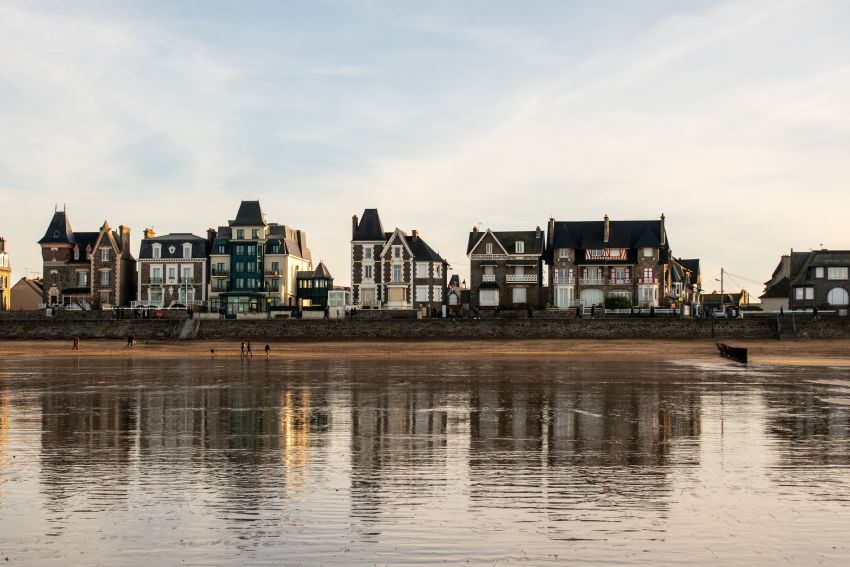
521	278
220	273
647	281
488	278
592	281
620	281
567	280
155	281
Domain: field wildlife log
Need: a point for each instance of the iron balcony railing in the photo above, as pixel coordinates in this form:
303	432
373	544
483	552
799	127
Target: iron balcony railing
521	278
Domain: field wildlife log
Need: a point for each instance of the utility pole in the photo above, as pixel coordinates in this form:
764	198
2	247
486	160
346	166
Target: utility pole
722	298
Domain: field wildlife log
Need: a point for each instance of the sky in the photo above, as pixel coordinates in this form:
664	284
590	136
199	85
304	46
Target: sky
732	119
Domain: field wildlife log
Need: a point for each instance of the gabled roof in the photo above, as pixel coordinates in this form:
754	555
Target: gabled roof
322	271
59	230
250	214
780	289
532	243
802	261
622	234
369	228
421	251
35	284
199	246
692	265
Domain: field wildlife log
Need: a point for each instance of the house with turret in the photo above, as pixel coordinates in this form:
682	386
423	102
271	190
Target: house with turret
87	269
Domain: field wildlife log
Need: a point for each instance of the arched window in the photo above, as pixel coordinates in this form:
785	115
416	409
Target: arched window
837	296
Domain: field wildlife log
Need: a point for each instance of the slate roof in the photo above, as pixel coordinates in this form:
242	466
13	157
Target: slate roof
533	244
802	261
692	265
199	246
421	251
622	234
250	214
780	289
59	230
370	228
322	271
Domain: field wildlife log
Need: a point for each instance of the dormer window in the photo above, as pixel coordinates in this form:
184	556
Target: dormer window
488	248
76	252
255	234
519	247
104	255
187	250
156	251
647	252
397	252
240	233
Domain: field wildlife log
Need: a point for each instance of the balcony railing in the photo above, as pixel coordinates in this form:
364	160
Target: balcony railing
488	278
220	273
647	281
620	281
156	281
566	280
591	281
521	278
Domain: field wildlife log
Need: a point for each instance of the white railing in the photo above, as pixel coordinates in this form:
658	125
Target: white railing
516	278
567	280
488	278
647	281
591	281
489	257
620	281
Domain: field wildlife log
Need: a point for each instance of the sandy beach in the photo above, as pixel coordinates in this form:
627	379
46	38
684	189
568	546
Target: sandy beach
799	352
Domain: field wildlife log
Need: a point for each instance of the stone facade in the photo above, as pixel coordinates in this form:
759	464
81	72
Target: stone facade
87	269
174	270
819	279
394	270
506	269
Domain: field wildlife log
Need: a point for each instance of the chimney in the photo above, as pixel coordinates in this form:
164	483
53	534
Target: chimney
550	231
607	230
149	233
475	229
124	231
2	244
415	233
211	234
663	232
537	235
353	225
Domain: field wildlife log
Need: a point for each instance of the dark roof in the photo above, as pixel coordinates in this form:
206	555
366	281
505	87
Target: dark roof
369	227
533	244
802	261
691	265
199	246
421	250
454	280
250	214
322	271
59	230
622	234
780	289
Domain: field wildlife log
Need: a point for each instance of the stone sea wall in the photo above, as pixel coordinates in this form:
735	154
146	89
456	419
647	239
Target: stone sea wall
453	329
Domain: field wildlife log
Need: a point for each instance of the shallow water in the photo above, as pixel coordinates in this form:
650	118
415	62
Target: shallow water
422	462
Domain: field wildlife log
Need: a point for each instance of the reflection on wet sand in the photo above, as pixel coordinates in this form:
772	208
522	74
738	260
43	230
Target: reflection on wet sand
350	461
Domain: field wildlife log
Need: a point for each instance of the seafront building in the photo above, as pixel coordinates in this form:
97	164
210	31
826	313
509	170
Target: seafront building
5	277
87	269
254	263
27	294
312	287
818	279
506	268
174	270
394	270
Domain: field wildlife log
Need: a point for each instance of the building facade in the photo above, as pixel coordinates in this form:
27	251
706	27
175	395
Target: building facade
816	279
174	270
27	294
87	269
312	287
394	270
5	277
506	269
253	263
591	261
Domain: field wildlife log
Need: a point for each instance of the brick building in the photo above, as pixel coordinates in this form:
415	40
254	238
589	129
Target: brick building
394	270
174	269
506	269
87	269
816	279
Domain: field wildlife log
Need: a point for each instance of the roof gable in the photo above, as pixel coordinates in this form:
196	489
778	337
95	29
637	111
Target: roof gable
59	230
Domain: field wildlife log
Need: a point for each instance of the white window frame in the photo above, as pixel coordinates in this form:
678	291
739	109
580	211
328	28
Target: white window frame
422	293
489	297
367	252
438	270
488	247
397	252
519	295
422	270
187	250
171	278
156	251
837	273
519	247
397	270
563	253
104	254
437	293
368	271
104	275
819	272
648	253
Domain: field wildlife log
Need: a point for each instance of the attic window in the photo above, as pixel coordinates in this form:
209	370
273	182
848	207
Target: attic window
187	250
488	248
76	252
156	251
55	234
647	252
519	247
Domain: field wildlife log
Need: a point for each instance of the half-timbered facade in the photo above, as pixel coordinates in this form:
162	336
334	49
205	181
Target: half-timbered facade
590	261
394	270
174	270
87	269
506	268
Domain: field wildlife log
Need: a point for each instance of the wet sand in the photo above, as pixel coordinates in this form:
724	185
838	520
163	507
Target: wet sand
799	352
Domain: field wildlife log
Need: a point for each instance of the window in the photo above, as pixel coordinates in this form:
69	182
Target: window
219	268
367	271
422	293
275	284
252	283
276	267
187	250
240	233
836	273
397	274
647	276
155	295
240	283
437	292
519	247
76	252
421	270
519	270
489	297
252	266
188	274
488	248
489	270
255	233
367	252
240	250
82	279
837	296
519	295
104	255
221	285
240	266
647	253
104	278
221	248
156	251
251	249
397	252
172	274
563	253
438	270
156	274
819	272
803	293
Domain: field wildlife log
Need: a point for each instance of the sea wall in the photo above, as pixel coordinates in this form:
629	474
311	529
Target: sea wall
454	329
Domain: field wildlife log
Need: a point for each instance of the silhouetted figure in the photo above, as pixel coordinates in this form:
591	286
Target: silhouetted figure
268	350
248	351
530	312
652	311
781	311
76	344
242	349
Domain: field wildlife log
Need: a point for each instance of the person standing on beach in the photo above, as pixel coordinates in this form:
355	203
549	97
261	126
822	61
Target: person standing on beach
242	349
268	350
248	352
76	344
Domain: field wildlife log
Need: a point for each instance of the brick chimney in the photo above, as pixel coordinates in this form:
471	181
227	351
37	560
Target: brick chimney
538	233
550	230
211	234
663	231
415	234
607	230
124	231
353	225
149	233
475	229
2	244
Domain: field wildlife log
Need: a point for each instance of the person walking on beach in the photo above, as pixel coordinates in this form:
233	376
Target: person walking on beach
76	344
268	350
248	351
242	349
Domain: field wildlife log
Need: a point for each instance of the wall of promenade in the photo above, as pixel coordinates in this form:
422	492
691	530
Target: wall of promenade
453	329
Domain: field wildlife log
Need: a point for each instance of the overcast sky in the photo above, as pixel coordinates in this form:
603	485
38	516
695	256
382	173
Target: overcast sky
731	118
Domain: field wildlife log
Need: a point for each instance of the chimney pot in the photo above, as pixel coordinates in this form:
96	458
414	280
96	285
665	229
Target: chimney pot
607	229
415	233
353	225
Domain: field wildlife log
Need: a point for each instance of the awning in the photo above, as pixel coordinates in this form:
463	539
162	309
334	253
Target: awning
522	263
489	285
